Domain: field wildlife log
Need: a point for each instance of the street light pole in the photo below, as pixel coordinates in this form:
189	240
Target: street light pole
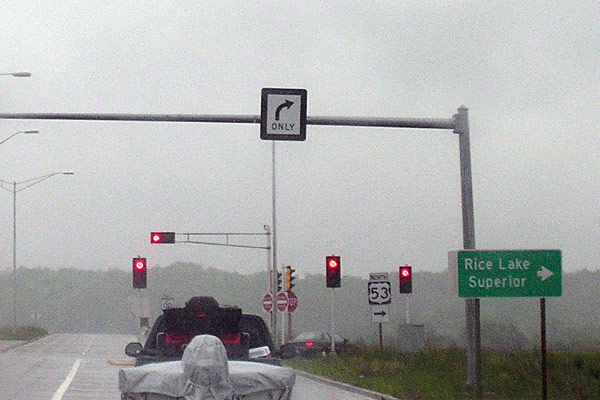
14	190
16	133
18	74
14	257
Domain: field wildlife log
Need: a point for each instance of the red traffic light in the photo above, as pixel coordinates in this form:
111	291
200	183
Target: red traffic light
162	237
139	265
333	271
139	273
405	279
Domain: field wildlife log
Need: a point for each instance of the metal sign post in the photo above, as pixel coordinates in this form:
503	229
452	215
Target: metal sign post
510	273
543	340
292	305
472	311
379	291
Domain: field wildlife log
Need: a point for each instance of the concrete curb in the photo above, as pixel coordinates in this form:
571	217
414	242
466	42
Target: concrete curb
345	386
6	345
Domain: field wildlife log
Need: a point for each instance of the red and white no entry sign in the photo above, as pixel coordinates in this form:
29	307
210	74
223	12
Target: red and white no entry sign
292	301
268	302
282	301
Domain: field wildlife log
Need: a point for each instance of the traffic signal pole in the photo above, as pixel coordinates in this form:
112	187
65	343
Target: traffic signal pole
332	321
407	306
458	123
472	307
144	328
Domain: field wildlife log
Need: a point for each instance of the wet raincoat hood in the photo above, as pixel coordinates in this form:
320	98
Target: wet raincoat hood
206	369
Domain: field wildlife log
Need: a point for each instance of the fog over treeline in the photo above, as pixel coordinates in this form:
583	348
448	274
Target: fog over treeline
78	301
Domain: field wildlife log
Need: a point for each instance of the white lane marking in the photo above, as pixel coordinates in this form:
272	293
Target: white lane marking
87	349
65	385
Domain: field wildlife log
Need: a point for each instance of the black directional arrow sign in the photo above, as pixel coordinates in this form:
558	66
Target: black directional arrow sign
379	313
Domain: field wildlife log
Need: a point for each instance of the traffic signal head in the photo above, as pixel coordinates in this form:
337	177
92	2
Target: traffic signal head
405	279
162	237
333	271
289	277
139	273
279	285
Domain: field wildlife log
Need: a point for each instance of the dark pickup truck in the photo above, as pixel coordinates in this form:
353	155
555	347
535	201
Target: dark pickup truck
245	336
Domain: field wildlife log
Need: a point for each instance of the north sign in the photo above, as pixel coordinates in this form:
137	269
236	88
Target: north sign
283	114
509	273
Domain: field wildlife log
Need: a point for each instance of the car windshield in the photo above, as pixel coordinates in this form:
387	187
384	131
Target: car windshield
338	338
312	336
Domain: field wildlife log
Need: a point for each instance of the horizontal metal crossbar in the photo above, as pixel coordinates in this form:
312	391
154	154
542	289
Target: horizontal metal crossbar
243	246
424	123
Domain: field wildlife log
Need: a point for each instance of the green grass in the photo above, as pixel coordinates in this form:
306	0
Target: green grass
22	333
441	374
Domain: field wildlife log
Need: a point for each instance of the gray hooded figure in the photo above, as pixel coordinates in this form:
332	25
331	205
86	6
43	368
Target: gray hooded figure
206	370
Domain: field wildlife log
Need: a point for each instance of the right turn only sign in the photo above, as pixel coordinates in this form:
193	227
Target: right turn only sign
283	114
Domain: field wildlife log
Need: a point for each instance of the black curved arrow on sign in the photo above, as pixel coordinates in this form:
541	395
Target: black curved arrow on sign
287	104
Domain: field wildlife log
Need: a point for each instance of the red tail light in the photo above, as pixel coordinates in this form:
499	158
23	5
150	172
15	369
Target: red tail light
309	344
231	338
178	339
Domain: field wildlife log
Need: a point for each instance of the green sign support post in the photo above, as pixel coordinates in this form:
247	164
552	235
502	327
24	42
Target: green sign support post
511	273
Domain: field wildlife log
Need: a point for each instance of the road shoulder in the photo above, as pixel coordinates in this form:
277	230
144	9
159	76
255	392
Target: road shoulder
345	386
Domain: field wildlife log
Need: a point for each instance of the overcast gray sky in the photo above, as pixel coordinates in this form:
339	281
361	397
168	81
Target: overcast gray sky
528	72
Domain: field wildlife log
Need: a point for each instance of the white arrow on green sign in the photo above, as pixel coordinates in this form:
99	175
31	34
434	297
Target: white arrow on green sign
509	273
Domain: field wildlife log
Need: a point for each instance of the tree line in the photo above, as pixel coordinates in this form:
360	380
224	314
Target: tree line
83	301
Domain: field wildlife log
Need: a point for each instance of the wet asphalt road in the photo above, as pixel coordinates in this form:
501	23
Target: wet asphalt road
85	367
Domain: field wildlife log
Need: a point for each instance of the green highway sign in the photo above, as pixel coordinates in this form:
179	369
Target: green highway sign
509	273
